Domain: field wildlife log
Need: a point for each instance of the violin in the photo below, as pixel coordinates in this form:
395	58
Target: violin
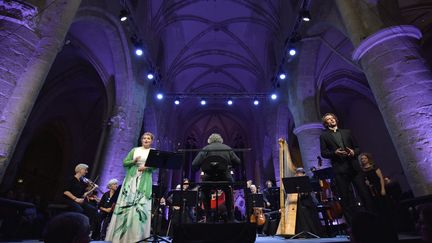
257	217
92	186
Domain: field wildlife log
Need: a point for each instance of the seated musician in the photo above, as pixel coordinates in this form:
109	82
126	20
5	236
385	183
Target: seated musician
75	196
216	149
269	197
188	212
106	206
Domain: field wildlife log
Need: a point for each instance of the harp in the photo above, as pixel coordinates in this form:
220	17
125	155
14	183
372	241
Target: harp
288	204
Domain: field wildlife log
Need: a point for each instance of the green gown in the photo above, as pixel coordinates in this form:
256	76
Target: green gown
132	215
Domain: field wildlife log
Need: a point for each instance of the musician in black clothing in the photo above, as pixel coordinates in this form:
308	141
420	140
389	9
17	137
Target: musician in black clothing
106	206
75	196
216	149
340	147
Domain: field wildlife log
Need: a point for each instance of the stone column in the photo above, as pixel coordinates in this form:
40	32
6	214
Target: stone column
303	104
402	84
308	138
28	49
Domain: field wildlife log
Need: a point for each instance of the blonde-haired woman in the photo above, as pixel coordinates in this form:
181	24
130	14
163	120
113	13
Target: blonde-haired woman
132	215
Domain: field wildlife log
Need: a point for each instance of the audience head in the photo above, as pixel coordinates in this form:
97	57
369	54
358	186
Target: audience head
215	138
68	228
424	222
369	228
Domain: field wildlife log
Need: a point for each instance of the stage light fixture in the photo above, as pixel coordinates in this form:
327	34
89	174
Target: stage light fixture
159	96
273	96
305	15
292	51
139	51
230	102
256	102
177	101
138	46
282	76
123	15
203	102
150	76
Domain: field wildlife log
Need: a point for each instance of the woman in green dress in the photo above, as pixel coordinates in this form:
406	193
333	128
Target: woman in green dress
132	214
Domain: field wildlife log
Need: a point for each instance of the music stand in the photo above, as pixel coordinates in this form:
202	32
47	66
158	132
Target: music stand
257	200
273	194
185	198
298	184
162	160
326	173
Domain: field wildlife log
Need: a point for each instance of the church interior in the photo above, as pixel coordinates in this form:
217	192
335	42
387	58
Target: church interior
82	80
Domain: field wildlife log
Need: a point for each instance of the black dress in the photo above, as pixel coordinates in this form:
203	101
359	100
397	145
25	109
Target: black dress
307	215
373	182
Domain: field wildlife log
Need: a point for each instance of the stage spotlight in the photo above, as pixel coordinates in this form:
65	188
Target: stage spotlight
256	102
139	51
123	15
282	76
273	96
305	15
159	96
292	51
150	76
203	102
177	101
230	102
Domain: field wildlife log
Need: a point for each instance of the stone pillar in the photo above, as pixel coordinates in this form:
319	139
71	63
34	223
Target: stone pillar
28	49
402	84
303	104
308	138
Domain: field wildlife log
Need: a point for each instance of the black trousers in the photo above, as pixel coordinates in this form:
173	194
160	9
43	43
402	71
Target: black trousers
105	219
91	212
345	192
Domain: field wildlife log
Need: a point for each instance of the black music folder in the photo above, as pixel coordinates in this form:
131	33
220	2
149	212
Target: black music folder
164	159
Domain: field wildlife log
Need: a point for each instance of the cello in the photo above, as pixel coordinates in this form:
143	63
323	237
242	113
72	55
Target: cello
328	198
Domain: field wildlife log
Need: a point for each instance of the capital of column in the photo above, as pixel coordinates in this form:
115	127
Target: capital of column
19	12
383	36
308	126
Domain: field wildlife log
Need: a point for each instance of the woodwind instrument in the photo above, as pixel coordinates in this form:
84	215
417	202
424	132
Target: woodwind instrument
287	223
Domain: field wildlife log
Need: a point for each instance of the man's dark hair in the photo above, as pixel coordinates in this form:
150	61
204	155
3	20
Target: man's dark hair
68	228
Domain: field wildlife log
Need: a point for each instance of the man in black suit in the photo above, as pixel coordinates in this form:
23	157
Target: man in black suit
340	147
226	158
